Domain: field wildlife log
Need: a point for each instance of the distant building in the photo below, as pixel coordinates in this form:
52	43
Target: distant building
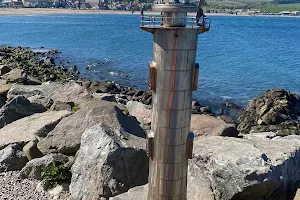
38	3
91	5
284	13
295	13
12	3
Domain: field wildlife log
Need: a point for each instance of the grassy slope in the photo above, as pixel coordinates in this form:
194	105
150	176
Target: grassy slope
267	8
281	7
224	2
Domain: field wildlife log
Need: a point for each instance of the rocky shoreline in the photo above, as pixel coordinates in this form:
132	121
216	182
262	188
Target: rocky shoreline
40	66
64	137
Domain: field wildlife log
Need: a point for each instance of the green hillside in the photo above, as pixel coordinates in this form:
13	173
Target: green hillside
264	5
280	7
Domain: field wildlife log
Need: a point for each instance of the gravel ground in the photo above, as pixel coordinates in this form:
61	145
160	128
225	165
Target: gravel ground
14	188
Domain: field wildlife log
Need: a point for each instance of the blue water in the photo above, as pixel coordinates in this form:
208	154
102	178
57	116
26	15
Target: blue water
240	57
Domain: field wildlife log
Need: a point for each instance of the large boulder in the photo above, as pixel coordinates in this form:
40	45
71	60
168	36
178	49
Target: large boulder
103	87
34	168
12	158
108	164
226	168
65	137
205	125
69	92
253	168
197	189
20	76
30	128
275	110
4	69
18	108
31	151
105	96
4	88
2	100
139	110
58	105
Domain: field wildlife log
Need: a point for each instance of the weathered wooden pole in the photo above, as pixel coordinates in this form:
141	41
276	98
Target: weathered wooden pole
173	76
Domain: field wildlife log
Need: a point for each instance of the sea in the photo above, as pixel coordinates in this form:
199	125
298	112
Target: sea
240	57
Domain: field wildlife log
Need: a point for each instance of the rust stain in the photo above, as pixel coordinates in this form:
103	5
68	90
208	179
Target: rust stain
173	76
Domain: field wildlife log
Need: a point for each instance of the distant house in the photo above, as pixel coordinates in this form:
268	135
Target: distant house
38	3
121	7
284	13
103	5
295	13
4	4
12	3
91	5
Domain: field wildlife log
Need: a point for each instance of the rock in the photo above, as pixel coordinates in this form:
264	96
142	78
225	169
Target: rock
32	81
103	87
107	164
268	166
226	168
121	98
4	69
68	92
12	158
129	98
34	168
56	191
197	189
208	125
138	95
231	105
262	135
49	61
274	107
146	98
31	151
58	105
72	92
4	88
195	103
20	76
2	101
40	187
45	101
30	91
297	196
137	193
142	96
128	91
29	128
198	109
141	111
95	103
85	83
105	96
65	138
205	109
15	76
18	108
226	119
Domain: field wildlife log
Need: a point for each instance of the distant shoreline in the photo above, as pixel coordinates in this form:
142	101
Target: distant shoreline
51	11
